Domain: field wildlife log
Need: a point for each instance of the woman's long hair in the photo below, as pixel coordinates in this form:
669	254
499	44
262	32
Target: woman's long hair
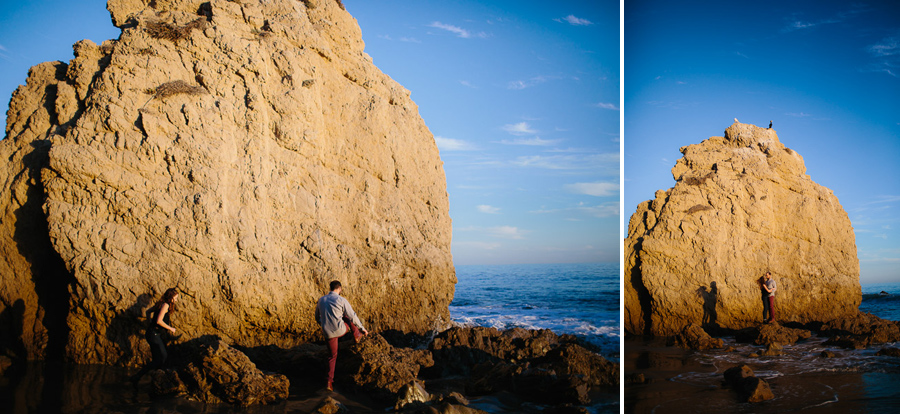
167	297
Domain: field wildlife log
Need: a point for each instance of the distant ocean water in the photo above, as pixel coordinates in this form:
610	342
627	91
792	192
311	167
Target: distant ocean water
881	300
577	299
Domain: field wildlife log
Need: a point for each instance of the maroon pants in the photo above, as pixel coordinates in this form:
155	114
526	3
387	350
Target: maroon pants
772	308
333	347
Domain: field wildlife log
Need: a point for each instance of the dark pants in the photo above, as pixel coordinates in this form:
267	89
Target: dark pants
333	348
767	311
157	350
771	308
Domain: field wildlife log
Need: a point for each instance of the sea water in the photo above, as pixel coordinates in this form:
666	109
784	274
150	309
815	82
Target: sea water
881	300
576	299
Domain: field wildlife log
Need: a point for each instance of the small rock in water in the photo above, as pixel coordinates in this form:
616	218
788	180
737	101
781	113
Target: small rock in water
894	352
827	354
748	386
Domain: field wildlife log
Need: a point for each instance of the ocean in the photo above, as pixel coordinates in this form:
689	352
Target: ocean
577	299
881	300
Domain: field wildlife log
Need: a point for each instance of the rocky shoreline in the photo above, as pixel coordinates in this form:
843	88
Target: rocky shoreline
785	365
531	370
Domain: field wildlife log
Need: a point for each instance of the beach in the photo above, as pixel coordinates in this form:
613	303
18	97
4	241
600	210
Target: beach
801	379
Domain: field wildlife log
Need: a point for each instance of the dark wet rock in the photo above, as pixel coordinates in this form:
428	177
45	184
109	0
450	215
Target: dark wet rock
635	379
773	349
5	362
458	349
894	352
209	370
412	393
331	406
438	408
771	333
305	363
379	369
694	337
730	349
848	341
862	330
753	355
575	360
749	387
827	354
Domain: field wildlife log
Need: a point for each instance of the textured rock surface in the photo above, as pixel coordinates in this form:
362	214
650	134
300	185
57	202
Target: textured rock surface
211	371
380	370
246	152
742	204
771	334
694	337
749	387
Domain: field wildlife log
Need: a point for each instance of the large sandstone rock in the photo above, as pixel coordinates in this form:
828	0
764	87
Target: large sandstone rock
742	204
245	152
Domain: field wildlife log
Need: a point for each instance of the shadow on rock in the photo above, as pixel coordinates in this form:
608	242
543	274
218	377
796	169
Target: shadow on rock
209	370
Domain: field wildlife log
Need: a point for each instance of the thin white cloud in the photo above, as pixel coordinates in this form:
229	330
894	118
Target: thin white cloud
450	144
887	47
479	245
507	232
600	211
607	105
574	21
597	189
594	162
536	141
798	114
402	39
523	84
467	83
522	128
742	55
458	31
3	48
484	208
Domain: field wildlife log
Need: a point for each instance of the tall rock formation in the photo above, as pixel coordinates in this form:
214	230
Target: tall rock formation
247	152
742	204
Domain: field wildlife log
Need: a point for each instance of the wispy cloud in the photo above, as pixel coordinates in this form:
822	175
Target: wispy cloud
886	47
468	84
594	162
458	31
574	21
479	245
600	211
507	232
887	56
742	55
484	208
536	141
450	144
607	105
795	23
400	39
597	189
798	114
522	128
523	84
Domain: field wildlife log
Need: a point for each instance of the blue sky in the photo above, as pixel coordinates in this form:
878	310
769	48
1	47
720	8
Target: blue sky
522	97
826	72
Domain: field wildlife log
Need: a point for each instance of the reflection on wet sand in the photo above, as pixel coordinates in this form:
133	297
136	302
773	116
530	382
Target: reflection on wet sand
676	380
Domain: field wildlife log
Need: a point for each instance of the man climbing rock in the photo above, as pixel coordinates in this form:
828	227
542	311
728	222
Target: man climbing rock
336	317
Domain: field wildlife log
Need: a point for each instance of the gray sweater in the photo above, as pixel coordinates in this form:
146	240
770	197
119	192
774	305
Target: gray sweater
329	313
771	285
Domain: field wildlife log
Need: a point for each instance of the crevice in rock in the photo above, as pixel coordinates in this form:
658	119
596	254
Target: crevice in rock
637	283
49	273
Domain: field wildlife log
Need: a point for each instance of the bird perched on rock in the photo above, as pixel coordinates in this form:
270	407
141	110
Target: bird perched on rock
770	124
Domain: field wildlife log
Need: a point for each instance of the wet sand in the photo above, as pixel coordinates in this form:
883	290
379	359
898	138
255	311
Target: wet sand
37	387
802	381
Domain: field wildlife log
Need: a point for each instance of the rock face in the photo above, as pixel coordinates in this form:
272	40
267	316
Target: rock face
742	204
213	372
245	152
